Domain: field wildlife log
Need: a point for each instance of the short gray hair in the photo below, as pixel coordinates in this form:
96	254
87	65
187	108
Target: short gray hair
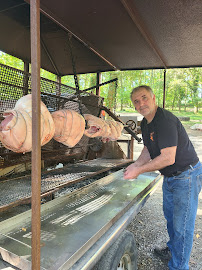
136	89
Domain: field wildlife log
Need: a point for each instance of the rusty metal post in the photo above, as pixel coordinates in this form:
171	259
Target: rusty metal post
26	78
36	132
164	88
58	91
131	148
98	82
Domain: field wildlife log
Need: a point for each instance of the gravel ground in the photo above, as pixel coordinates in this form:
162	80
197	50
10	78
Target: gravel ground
149	226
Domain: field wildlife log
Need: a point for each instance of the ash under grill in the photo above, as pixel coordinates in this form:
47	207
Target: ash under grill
18	191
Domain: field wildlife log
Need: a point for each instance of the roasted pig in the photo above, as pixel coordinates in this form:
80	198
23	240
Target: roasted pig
96	127
16	128
115	131
69	127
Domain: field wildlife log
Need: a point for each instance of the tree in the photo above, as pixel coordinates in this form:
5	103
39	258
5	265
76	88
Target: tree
11	61
193	80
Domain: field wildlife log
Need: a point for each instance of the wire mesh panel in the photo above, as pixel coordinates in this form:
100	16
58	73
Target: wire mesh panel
11	86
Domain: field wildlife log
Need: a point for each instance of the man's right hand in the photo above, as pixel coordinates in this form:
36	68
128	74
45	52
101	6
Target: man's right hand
132	171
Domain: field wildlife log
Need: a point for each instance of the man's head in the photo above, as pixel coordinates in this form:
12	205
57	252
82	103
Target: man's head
136	89
143	100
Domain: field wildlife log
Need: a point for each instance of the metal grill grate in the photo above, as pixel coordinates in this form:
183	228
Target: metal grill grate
21	189
17	190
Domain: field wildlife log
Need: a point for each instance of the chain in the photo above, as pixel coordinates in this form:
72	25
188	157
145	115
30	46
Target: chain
75	74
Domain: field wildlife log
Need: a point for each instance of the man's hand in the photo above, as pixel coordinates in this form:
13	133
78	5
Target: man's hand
132	171
166	158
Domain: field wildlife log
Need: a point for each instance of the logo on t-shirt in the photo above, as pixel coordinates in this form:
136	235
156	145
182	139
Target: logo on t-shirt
152	136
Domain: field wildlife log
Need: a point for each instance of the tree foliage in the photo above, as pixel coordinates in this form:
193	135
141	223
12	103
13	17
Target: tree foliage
183	85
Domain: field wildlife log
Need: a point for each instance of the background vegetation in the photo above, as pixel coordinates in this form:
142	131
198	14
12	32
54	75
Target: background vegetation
183	86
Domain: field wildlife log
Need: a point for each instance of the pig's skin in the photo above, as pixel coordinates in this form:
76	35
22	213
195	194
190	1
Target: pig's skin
69	127
15	131
47	123
109	130
115	131
113	136
96	127
16	128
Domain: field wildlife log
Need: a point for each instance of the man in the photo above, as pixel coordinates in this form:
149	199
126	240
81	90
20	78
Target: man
168	149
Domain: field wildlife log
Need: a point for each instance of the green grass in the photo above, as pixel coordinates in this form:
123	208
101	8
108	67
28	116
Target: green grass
195	118
129	110
191	114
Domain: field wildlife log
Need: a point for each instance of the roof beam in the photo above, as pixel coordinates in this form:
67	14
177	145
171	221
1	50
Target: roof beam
49	57
12	7
49	14
133	13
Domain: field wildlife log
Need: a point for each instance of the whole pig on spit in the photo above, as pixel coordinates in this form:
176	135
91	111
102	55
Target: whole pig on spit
115	130
96	127
69	127
109	130
16	128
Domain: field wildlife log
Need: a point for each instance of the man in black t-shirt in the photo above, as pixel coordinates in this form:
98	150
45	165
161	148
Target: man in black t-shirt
167	148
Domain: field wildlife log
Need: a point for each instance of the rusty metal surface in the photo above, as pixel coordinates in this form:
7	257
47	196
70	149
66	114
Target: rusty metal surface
71	224
17	191
36	133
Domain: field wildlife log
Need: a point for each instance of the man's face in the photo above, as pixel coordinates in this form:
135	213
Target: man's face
143	102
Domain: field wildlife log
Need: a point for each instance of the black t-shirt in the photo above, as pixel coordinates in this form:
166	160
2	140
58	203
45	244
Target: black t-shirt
164	131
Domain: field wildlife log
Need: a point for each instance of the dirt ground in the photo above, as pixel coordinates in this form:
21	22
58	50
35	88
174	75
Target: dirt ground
149	226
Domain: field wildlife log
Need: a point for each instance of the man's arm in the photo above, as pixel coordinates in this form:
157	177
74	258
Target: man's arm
143	158
166	158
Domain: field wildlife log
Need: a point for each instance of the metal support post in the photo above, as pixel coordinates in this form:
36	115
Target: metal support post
26	78
36	132
98	82
131	148
164	88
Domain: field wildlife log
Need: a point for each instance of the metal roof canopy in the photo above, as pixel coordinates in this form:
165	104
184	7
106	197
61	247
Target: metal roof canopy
106	35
